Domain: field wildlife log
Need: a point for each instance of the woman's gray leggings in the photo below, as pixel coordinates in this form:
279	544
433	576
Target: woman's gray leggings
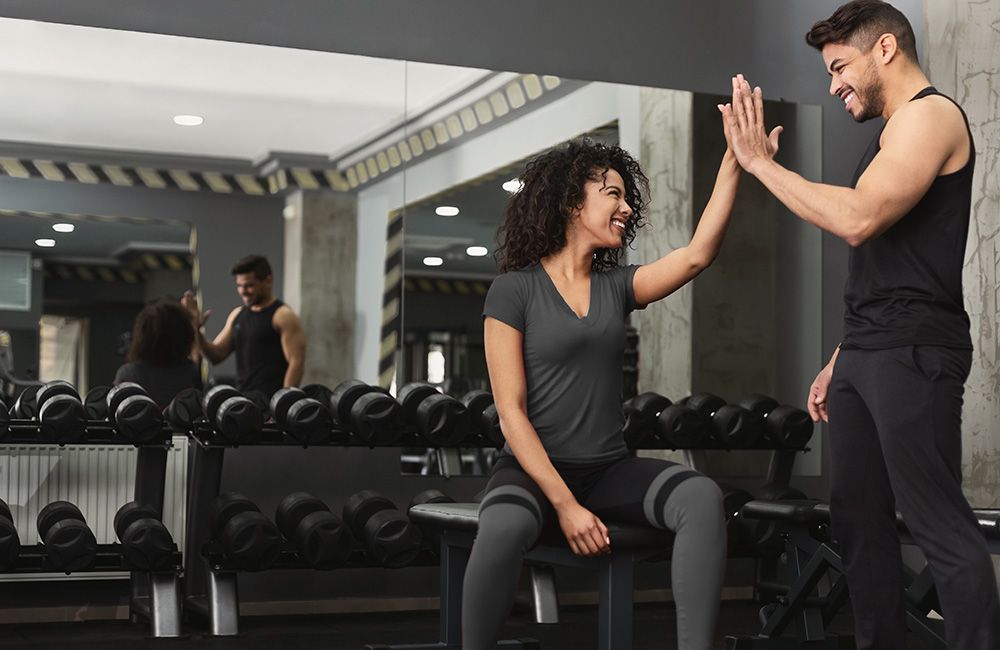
644	491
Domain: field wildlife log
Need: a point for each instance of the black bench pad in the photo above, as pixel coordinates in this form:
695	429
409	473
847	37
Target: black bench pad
465	517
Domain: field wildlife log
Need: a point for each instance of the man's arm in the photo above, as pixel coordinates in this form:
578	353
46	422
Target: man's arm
916	144
293	344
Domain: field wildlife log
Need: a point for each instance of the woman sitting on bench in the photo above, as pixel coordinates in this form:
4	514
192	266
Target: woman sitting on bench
554	328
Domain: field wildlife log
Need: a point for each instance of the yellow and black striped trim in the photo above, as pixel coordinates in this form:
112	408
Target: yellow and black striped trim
450	286
392	300
127	273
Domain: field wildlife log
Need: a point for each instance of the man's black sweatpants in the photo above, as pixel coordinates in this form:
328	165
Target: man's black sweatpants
896	441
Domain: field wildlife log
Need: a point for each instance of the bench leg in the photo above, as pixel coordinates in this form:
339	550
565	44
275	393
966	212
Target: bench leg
614	627
543	594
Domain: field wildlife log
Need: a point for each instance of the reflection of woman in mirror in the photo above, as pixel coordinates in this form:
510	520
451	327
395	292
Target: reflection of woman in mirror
554	329
160	355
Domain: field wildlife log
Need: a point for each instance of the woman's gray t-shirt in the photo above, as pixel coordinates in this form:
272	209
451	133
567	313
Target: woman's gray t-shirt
573	365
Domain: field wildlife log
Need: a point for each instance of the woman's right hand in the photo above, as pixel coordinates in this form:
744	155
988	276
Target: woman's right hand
586	534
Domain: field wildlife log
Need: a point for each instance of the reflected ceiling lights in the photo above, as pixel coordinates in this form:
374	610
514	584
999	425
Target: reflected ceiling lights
433	261
446	211
476	251
188	120
45	243
63	227
513	186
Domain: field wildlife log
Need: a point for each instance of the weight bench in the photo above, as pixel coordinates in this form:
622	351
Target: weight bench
817	587
456	525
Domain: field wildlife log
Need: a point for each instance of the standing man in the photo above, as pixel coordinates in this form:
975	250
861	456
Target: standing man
265	333
892	392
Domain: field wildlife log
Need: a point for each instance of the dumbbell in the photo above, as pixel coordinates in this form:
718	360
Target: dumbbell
305	419
61	416
249	539
732	426
681	427
321	537
95	403
69	542
184	409
739	531
640	418
25	407
135	415
234	418
484	416
391	540
429	496
146	542
318	392
368	411
441	419
786	427
10	543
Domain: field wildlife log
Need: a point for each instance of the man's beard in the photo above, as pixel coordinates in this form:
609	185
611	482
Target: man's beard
872	101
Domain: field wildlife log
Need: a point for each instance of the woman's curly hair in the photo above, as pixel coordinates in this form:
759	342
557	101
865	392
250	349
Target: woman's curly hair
163	335
536	217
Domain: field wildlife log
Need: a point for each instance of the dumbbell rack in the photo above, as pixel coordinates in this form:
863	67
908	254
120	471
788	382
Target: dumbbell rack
154	596
210	582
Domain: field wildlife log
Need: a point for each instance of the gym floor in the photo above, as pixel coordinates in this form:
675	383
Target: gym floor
654	629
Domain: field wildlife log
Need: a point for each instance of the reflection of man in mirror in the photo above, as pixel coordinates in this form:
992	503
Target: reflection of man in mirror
892	392
264	332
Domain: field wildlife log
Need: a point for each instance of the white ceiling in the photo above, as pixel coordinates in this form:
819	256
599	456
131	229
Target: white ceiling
77	86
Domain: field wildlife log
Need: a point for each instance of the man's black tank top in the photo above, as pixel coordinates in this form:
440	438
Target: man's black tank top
260	363
904	287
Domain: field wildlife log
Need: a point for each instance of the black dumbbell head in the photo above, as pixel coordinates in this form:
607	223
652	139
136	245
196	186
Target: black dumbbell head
25	406
361	506
681	427
10	543
62	419
789	427
735	427
69	542
705	404
411	395
318	392
476	401
392	541
343	397
759	404
53	388
282	400
184	409
293	508
739	531
96	403
139	420
224	507
309	422
443	420
119	393
251	541
377	419
640	417
146	543
214	398
489	425
239	421
323	539
429	496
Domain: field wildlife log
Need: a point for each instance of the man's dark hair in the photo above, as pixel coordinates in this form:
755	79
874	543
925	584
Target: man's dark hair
163	335
256	264
860	23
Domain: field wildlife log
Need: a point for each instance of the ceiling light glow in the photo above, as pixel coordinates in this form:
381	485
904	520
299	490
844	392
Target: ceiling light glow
476	251
513	186
188	120
446	211
433	261
45	243
63	227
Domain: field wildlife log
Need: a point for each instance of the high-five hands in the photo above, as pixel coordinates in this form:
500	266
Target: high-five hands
743	123
190	303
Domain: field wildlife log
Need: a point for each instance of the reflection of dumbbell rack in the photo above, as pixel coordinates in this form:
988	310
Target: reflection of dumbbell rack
154	595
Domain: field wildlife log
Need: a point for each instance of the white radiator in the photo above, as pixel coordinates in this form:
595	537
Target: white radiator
98	479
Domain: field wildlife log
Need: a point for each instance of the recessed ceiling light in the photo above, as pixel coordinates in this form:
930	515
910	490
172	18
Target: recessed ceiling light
45	243
63	227
476	251
188	120
513	186
433	261
446	211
